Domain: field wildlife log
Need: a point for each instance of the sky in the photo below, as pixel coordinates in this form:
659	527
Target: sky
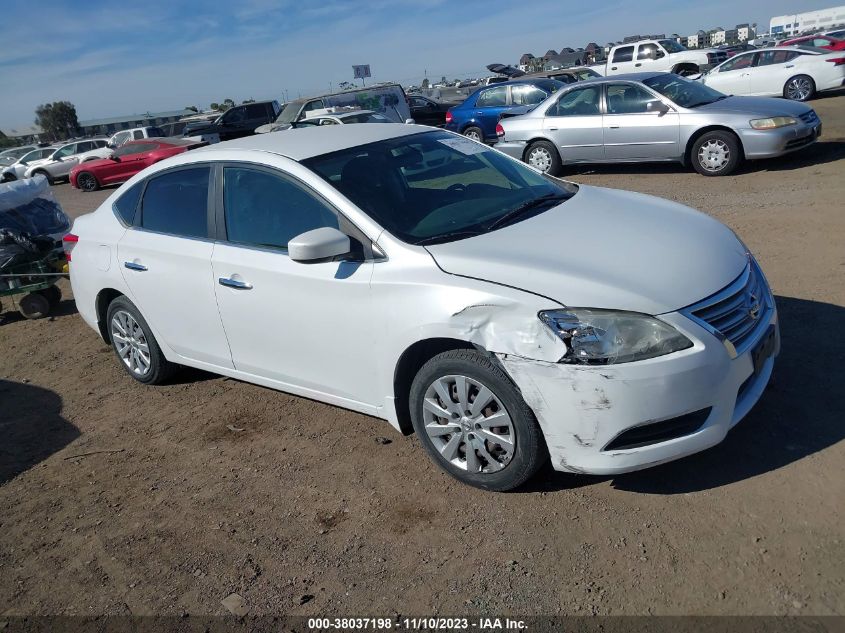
164	55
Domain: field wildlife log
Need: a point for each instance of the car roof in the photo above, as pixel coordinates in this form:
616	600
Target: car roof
622	77
303	143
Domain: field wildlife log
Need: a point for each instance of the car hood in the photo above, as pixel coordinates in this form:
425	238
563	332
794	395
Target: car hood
762	106
605	248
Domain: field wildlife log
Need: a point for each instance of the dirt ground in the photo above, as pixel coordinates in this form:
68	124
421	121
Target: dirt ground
121	499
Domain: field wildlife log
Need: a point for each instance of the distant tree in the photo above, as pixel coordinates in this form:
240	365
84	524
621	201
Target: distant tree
228	103
214	106
425	84
57	119
345	85
192	108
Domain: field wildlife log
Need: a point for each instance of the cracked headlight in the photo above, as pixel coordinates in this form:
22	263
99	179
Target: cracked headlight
607	337
770	123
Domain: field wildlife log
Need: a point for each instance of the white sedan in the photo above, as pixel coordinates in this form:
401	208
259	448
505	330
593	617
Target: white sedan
792	72
424	278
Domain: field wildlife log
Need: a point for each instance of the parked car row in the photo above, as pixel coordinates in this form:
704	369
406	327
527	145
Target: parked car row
648	117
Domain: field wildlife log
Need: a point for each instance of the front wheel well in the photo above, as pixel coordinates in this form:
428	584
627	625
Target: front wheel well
410	362
101	305
687	157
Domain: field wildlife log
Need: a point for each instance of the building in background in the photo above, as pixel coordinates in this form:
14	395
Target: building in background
820	20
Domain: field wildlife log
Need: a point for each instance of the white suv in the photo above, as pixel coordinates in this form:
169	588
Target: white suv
421	277
64	158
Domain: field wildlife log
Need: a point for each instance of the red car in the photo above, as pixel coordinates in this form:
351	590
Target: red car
819	41
127	160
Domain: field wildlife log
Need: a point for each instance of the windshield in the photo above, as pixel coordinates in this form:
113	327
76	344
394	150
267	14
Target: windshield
437	187
154	132
289	113
672	46
685	92
36	154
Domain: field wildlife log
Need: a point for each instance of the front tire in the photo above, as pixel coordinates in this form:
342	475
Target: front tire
799	88
716	153
135	345
543	155
475	133
474	423
45	174
86	181
35	305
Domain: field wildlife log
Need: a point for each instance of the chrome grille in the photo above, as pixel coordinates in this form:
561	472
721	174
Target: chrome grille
809	117
737	312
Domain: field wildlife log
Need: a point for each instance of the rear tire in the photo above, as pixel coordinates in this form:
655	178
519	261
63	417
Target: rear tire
506	443
87	181
475	133
134	344
799	88
544	156
716	153
35	305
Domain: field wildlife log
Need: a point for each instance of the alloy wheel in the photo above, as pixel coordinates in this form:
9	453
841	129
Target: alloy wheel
714	155
540	158
86	181
798	89
468	424
475	136
130	342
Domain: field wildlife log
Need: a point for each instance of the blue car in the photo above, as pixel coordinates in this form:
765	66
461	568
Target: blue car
478	115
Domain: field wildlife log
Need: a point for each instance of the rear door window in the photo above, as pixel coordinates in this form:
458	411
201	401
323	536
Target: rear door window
624	54
176	203
494	97
579	102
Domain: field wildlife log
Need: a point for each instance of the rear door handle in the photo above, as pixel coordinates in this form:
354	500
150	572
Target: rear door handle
614	127
235	283
790	66
552	129
133	266
613	68
638	64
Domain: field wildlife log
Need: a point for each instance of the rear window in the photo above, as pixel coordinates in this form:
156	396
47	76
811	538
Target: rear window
624	54
126	204
176	203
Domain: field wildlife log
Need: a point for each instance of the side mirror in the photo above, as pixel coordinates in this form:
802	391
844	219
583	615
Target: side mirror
318	245
410	121
657	106
114	158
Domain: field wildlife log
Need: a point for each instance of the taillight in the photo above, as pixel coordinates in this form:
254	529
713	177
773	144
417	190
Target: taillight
68	242
500	131
837	61
448	116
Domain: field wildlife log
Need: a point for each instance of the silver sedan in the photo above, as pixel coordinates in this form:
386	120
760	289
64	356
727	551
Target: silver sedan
648	117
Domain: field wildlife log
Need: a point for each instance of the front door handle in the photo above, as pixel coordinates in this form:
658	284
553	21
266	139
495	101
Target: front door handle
790	66
552	129
235	283
614	127
638	64
133	266
613	68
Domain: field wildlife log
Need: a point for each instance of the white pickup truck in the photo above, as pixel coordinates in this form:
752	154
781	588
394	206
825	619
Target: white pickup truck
660	55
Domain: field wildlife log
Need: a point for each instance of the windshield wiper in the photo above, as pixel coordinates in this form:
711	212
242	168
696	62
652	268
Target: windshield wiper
525	207
444	237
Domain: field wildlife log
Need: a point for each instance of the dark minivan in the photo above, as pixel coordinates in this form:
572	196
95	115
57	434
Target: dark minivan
237	121
478	115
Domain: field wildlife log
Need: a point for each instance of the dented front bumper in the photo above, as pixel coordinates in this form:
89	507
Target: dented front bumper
582	409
